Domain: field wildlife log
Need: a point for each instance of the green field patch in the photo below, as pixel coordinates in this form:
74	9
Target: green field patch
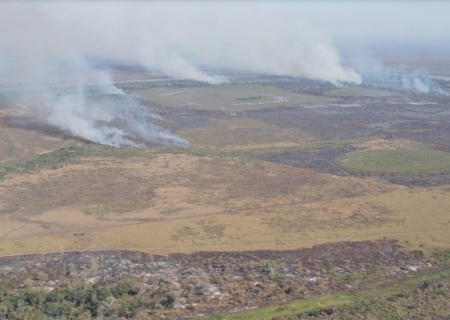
295	308
229	97
359	92
396	161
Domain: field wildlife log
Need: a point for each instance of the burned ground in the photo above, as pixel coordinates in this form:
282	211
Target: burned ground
211	282
354	256
370	119
427	124
29	122
254	183
321	160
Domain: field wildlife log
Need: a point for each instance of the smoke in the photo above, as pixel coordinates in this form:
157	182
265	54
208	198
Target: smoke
373	70
79	110
417	81
178	39
69	113
44	45
130	127
42	54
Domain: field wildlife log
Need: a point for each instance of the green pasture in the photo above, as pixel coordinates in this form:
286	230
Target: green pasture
396	161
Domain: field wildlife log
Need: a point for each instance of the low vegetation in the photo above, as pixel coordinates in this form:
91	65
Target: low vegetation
442	256
85	301
134	285
424	296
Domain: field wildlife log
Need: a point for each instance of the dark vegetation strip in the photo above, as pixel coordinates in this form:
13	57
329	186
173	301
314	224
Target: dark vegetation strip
69	155
259	151
59	157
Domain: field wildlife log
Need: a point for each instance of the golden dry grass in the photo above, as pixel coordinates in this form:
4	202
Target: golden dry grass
403	215
160	202
222	204
243	133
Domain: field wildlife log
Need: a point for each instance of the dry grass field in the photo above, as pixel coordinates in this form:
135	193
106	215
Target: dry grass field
230	97
244	133
219	194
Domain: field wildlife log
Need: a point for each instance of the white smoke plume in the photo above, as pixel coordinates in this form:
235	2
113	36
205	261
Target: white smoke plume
178	39
38	52
43	45
372	69
421	82
417	81
78	114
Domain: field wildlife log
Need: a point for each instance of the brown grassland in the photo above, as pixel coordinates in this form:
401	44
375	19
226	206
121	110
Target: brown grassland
216	195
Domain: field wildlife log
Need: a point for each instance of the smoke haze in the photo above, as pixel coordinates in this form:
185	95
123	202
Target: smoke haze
176	39
45	44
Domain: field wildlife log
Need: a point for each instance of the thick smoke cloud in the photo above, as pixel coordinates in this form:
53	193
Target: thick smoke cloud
38	52
78	113
44	46
175	38
73	108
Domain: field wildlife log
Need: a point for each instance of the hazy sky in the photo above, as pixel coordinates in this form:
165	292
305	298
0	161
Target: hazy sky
374	18
365	17
296	38
48	44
